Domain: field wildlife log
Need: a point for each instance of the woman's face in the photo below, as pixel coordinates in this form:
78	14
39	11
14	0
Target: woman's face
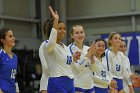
100	45
61	31
115	41
78	34
122	47
9	39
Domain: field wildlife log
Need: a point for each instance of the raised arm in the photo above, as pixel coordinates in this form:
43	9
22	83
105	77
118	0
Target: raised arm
51	43
55	16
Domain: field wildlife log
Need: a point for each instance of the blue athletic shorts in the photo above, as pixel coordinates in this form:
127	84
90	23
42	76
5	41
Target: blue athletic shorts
119	83
61	84
101	90
3	91
84	90
9	91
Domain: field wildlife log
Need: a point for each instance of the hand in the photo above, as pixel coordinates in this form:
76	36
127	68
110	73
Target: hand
55	16
131	89
113	84
92	59
54	13
44	91
91	50
76	56
112	90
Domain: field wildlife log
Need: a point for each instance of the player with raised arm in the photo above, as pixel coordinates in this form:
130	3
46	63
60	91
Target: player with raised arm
58	58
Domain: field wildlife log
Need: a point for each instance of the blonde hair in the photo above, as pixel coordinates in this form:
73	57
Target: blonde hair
111	36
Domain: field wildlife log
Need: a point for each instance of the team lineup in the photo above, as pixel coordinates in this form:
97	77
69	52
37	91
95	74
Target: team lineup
96	70
101	67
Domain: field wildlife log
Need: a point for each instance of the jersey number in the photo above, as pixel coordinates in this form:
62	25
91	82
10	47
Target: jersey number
103	73
118	67
13	73
69	60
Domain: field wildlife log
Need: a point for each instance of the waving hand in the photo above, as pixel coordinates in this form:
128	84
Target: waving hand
55	16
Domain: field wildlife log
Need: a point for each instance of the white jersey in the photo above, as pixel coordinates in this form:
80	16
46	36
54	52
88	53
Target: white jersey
127	64
82	72
45	73
17	87
116	65
43	82
58	58
101	76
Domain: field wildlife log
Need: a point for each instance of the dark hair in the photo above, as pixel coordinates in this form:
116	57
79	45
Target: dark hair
48	25
124	41
100	39
3	32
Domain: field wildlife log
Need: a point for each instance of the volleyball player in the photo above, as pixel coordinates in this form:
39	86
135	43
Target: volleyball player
58	57
45	70
101	76
115	60
8	62
83	80
127	88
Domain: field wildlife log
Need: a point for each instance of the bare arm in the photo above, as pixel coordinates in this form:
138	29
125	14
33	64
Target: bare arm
1	91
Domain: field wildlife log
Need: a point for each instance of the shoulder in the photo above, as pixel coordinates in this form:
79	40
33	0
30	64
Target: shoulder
85	48
126	59
72	46
109	54
15	55
43	43
64	45
1	52
42	47
121	54
108	51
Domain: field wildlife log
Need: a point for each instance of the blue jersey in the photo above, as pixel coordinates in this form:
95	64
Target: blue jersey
8	70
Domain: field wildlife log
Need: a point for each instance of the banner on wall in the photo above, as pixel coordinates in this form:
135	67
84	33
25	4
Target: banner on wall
133	46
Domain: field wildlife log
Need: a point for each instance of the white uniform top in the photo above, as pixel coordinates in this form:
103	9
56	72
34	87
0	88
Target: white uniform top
17	87
58	58
116	66
127	65
81	69
45	73
101	76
